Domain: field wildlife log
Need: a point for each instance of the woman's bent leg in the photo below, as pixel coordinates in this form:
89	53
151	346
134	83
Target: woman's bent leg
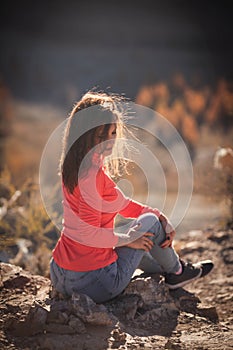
149	265
129	259
166	258
106	283
158	260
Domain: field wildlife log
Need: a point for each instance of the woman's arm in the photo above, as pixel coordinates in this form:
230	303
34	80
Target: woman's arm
169	230
132	209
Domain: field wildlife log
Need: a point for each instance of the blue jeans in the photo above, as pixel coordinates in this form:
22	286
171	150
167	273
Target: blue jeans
107	282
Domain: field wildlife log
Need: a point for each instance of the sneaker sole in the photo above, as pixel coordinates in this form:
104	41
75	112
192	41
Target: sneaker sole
182	284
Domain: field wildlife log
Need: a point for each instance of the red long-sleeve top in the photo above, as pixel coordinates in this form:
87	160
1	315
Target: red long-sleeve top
87	239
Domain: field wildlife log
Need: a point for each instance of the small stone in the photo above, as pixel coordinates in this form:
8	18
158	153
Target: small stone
89	312
209	312
227	255
191	247
151	290
118	335
126	306
219	237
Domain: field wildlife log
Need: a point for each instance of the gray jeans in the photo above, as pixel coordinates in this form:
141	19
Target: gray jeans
105	283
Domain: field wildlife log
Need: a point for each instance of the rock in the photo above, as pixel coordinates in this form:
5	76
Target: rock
16	282
152	290
77	324
59	328
14	277
90	312
118	338
8	271
219	237
195	233
57	317
118	335
63	305
208	312
185	300
191	247
125	306
173	345
227	255
33	323
159	314
58	342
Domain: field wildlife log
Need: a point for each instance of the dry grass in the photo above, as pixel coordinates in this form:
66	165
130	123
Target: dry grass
27	233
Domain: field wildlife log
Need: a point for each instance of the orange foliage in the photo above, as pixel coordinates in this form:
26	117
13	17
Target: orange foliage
189	108
195	101
189	129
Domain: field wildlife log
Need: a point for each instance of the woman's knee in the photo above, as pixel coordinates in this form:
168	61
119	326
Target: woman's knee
148	221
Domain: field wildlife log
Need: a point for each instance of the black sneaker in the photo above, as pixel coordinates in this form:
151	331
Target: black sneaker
205	265
189	274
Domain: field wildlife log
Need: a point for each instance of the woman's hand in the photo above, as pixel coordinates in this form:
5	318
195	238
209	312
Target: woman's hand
142	242
169	230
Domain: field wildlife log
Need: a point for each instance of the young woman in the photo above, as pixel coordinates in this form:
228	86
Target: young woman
90	257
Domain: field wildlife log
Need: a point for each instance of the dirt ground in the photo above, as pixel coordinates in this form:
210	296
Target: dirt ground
146	316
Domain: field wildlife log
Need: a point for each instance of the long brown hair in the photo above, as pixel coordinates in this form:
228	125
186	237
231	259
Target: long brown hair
80	135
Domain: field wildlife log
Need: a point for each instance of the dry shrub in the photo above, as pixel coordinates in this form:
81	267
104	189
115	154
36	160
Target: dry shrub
27	233
190	108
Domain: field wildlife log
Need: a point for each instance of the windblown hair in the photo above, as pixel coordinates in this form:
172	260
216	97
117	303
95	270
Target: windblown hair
91	116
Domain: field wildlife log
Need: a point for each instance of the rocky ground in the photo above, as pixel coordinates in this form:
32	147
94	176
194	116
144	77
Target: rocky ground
146	316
